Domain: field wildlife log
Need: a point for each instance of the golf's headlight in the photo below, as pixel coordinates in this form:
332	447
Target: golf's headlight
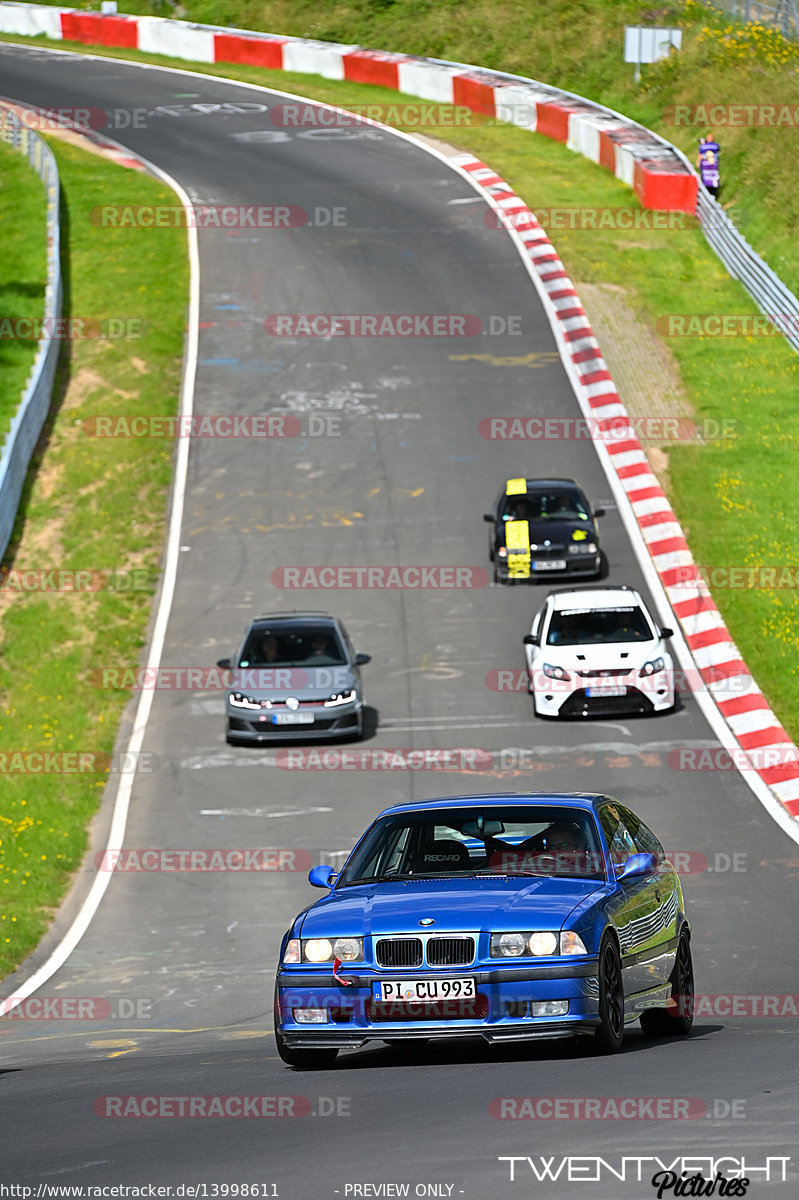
652	668
571	943
239	700
502	552
340	698
583	548
320	950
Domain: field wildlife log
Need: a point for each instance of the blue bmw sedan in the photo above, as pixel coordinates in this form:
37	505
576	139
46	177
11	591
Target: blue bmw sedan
505	917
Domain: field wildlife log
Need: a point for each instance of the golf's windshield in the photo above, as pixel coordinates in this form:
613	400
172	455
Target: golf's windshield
495	840
293	646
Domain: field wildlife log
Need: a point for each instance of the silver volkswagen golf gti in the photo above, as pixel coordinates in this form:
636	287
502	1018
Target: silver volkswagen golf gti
295	677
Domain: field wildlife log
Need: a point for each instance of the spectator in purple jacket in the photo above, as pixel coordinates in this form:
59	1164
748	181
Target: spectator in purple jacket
707	164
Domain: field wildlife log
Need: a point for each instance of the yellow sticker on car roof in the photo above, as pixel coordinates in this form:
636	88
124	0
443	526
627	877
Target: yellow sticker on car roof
516	487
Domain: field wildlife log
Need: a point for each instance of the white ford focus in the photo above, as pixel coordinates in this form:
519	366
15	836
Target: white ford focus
595	651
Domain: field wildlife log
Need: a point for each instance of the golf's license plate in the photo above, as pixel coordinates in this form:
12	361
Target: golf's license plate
292	718
425	989
548	564
611	689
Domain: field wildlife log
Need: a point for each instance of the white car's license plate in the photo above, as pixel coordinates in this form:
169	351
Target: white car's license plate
424	989
609	689
548	564
292	718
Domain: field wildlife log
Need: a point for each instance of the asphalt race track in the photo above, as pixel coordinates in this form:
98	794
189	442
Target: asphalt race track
400	475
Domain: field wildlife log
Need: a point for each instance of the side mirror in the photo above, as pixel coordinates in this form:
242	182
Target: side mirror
322	877
666	632
489	517
362	659
225	664
531	639
599	512
637	864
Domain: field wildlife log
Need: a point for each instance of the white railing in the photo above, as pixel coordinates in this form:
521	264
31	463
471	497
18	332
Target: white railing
27	423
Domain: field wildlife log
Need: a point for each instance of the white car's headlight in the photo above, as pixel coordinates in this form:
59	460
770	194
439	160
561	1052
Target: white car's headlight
340	698
652	668
553	672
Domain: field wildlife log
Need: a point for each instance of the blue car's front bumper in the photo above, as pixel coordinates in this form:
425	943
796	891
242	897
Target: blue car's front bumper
502	1009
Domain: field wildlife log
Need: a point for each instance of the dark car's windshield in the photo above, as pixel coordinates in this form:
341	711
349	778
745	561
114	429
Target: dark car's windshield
294	646
584	626
559	504
495	840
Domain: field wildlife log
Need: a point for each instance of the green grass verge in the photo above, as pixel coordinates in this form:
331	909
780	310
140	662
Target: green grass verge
94	504
23	273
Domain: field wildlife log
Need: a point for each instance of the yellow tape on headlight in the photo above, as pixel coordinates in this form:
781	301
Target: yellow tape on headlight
516	487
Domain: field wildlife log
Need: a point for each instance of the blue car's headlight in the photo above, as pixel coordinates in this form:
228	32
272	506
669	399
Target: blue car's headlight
323	950
583	548
519	945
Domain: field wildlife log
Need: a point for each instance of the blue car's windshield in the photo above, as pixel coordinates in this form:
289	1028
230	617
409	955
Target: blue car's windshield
495	840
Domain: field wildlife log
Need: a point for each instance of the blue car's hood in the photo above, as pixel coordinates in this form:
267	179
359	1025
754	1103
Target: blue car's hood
485	903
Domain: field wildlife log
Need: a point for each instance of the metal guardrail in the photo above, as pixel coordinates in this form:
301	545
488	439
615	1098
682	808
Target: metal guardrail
774	299
769	293
782	16
27	423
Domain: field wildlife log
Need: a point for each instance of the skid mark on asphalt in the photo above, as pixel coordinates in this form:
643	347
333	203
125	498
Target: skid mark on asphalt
543	358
